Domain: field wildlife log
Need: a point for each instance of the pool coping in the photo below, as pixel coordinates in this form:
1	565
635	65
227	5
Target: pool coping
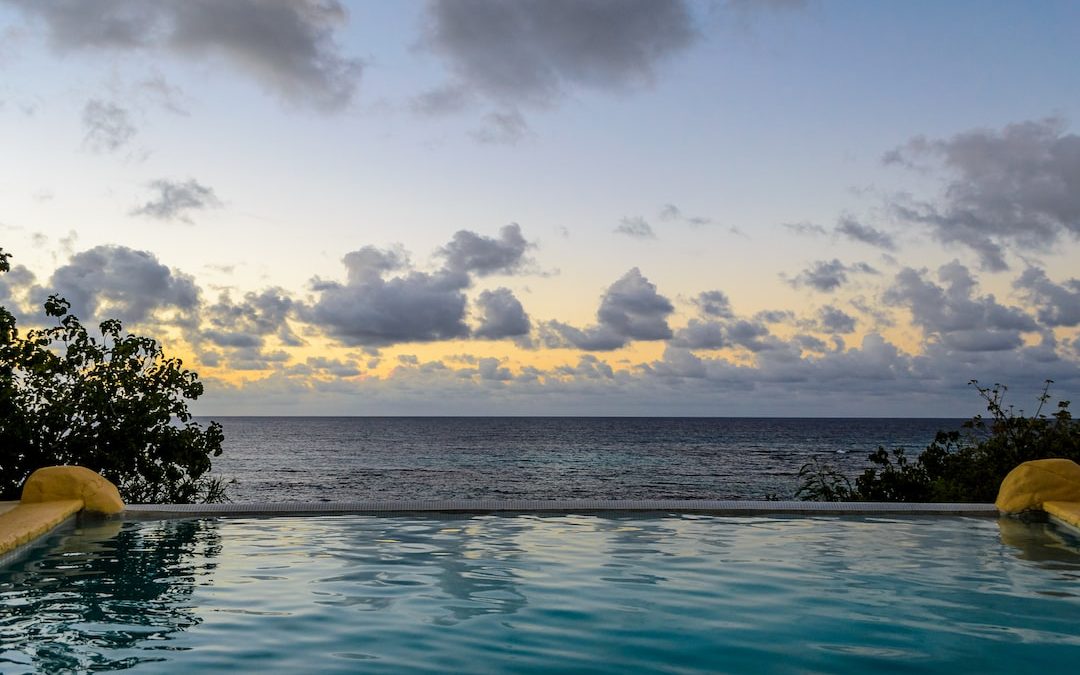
564	506
16	554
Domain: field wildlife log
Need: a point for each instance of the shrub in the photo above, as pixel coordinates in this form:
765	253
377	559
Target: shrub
115	404
958	466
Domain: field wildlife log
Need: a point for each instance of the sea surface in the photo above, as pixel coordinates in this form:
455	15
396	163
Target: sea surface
310	459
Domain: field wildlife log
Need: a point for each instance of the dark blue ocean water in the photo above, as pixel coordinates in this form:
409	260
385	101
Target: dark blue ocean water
354	458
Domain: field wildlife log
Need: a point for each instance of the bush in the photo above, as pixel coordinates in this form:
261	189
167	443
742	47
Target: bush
958	466
113	403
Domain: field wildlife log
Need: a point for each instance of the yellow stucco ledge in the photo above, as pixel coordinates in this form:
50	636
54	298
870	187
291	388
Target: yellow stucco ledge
1065	512
73	482
49	497
1030	486
27	522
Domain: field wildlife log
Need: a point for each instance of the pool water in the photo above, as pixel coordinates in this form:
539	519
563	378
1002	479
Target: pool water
676	593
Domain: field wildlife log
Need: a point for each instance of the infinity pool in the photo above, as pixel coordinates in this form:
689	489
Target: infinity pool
678	593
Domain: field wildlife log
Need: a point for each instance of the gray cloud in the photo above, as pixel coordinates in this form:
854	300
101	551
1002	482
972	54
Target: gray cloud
714	304
1019	186
470	252
835	320
502	127
636	227
954	316
108	282
442	100
806	229
248	322
108	126
534	50
1056	304
501	315
630	309
672	213
286	45
856	231
373	309
175	200
828	275
488	369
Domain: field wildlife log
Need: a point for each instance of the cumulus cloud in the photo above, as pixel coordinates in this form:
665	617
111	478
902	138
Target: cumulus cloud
374	309
175	200
108	127
533	51
1019	186
1055	304
116	282
247	322
714	304
630	309
636	227
469	252
835	320
828	275
953	315
856	231
501	315
287	46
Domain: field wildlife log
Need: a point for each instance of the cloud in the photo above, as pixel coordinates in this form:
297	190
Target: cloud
828	275
805	229
108	126
375	309
534	51
442	100
501	315
635	227
116	282
670	212
506	127
489	370
952	315
856	231
469	252
834	320
175	200
713	304
1019	186
246	323
287	46
630	309
1055	304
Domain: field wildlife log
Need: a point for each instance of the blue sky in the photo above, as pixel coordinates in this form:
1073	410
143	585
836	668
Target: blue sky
592	207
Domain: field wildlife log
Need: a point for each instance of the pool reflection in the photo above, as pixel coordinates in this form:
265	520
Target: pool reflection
106	596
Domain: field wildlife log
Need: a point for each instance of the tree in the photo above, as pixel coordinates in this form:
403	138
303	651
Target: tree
113	403
958	466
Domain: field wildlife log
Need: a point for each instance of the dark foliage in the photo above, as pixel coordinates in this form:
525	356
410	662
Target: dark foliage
113	403
958	466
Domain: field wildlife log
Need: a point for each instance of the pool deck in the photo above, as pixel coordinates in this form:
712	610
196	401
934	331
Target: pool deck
478	506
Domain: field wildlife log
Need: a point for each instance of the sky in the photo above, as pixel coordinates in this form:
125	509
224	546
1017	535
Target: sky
556	207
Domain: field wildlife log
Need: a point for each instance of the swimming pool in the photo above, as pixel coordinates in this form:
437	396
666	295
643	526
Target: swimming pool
536	593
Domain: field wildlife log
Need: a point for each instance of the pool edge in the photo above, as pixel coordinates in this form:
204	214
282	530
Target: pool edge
478	506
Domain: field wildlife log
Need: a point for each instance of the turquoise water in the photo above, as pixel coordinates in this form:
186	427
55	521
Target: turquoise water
679	593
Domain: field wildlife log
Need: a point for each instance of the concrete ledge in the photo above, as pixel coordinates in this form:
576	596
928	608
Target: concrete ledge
709	506
26	522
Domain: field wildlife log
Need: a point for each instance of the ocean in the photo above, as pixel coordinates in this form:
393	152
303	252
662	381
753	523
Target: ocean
311	459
